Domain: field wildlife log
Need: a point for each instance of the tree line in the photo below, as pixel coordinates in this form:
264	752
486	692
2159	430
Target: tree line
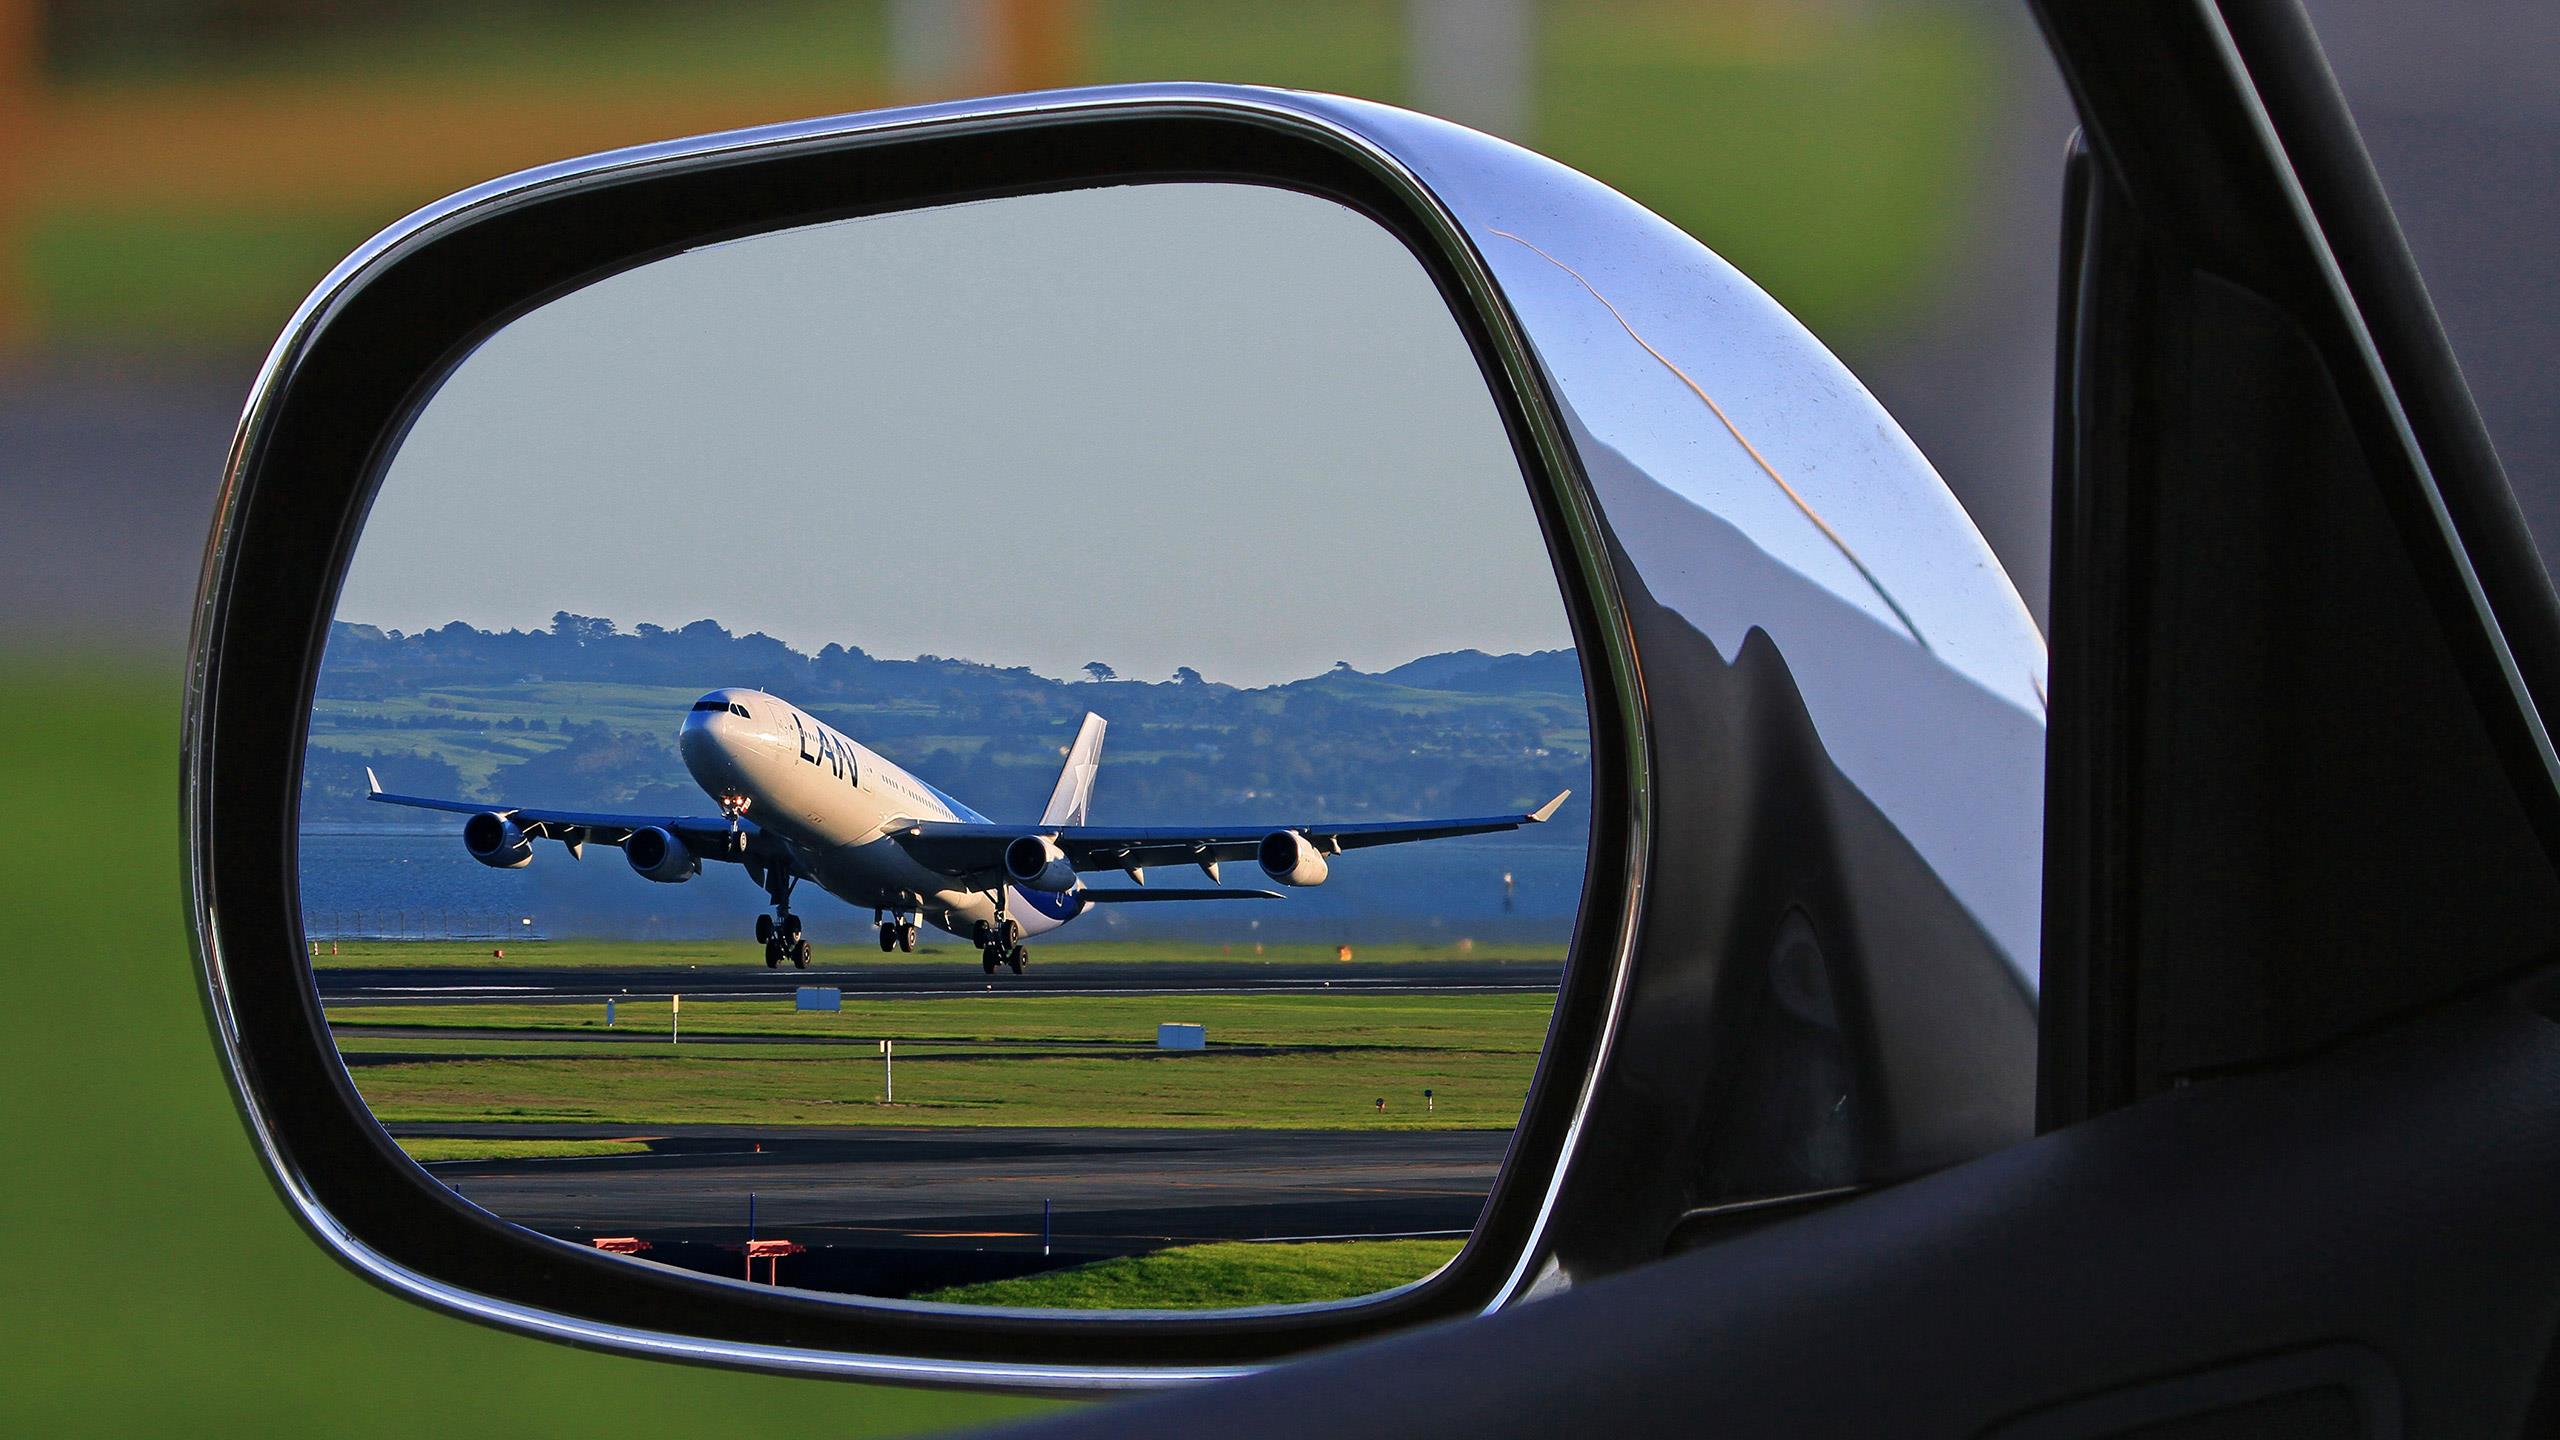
1457	733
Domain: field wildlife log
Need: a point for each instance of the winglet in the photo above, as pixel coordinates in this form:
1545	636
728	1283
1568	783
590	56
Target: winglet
372	786
1539	816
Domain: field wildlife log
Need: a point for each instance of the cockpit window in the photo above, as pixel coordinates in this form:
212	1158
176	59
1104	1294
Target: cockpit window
741	712
716	705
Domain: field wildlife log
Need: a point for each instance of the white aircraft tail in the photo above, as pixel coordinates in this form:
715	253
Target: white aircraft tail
1074	795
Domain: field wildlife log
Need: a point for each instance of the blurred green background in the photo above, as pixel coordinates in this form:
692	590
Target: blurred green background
174	176
191	183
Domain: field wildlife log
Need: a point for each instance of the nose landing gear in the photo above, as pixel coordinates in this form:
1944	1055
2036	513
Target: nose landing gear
735	808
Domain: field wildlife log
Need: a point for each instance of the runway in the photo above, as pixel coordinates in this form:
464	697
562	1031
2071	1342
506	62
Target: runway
925	980
902	1211
891	1211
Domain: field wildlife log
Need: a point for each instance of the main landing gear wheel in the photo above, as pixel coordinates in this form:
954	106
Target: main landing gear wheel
888	938
987	962
799	950
1016	959
907	937
764	929
772	951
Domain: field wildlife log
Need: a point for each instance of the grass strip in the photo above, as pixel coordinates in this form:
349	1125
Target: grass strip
1128	1090
1219	1276
1512	1024
435	1150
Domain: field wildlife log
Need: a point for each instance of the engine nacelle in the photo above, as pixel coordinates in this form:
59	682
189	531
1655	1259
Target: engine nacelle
494	841
1036	863
1291	859
656	854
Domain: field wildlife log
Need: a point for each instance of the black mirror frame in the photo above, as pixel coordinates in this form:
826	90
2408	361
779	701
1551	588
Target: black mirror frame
332	403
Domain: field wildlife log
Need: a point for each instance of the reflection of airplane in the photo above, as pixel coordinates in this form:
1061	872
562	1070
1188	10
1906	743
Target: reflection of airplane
800	801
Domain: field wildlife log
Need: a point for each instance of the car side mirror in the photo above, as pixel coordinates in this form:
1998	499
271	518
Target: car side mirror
1803	959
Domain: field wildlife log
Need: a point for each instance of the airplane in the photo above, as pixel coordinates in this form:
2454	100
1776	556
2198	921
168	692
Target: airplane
800	801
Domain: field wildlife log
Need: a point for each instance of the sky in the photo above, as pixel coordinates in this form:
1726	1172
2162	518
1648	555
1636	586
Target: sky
1214	425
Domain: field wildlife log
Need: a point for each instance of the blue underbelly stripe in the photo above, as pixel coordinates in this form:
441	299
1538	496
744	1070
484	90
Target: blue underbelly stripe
1056	904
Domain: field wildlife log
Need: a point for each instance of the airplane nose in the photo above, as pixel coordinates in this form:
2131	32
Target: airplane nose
702	744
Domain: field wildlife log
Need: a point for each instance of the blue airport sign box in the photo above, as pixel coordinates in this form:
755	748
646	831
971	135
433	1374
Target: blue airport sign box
1182	1037
820	997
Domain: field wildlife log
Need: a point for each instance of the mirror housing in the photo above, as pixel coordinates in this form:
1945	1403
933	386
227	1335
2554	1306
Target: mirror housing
1805	963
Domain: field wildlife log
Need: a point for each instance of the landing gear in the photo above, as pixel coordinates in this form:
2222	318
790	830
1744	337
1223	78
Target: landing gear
782	940
1000	944
897	930
779	932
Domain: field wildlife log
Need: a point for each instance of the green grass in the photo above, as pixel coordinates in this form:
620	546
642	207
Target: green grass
1142	1090
432	1150
1312	1062
159	1284
1221	1276
938	950
1508	1024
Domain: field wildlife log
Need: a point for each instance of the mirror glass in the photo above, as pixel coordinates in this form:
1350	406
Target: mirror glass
1024	753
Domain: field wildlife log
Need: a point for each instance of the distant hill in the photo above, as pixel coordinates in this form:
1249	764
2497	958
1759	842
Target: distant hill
585	715
1475	672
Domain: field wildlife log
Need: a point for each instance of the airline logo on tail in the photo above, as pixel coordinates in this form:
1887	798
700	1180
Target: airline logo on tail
1069	803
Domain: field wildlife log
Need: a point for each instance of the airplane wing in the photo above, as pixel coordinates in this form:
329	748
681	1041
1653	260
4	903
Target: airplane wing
974	852
575	828
1132	897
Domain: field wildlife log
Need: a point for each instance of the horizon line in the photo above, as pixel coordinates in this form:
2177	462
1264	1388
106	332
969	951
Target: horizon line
618	633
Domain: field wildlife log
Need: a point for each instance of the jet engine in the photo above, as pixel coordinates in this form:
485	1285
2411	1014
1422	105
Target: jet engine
1036	862
656	854
1291	859
494	841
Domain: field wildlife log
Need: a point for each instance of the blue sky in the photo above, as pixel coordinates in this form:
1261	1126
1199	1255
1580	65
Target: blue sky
1214	425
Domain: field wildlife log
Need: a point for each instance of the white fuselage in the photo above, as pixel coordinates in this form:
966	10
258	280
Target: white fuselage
832	801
